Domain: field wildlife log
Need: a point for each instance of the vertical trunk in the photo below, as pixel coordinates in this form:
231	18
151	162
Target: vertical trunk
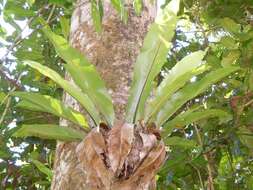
113	52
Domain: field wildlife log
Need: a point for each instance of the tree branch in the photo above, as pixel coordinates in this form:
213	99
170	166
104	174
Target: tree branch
13	82
206	156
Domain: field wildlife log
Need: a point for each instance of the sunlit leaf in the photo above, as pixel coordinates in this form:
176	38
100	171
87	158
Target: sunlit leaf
120	7
69	87
137	6
181	73
44	103
65	27
85	75
230	58
190	91
48	131
151	59
43	168
96	16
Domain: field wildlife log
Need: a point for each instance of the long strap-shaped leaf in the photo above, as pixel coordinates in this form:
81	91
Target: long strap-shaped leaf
41	166
182	72
44	103
49	131
189	117
151	59
119	6
69	88
190	91
85	75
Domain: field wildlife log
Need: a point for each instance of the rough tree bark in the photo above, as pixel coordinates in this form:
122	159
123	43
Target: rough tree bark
113	52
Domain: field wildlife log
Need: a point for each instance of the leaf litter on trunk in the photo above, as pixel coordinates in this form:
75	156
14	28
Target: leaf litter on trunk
122	157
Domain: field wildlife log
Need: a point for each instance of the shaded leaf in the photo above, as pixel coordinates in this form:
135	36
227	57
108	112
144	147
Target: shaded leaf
230	25
49	131
189	117
43	168
246	136
179	141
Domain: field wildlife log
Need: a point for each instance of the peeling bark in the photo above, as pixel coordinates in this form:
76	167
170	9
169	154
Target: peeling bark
113	52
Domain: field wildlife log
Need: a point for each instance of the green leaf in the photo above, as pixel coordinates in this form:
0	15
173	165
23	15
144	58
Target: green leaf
151	59
229	42
96	15
84	75
230	58
230	25
49	131
65	27
179	141
44	103
182	72
190	91
246	136
15	8
2	97
4	154
43	168
190	116
30	2
137	6
82	98
251	80
119	7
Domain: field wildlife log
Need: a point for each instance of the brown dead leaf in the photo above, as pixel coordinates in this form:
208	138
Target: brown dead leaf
148	142
120	141
121	158
91	153
143	178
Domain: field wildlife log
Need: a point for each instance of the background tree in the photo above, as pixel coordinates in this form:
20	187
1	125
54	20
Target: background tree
224	26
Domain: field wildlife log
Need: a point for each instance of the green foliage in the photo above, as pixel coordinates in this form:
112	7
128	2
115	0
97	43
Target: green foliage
177	77
190	91
180	142
43	169
150	60
137	6
49	131
191	116
44	103
85	76
119	6
221	112
97	14
68	87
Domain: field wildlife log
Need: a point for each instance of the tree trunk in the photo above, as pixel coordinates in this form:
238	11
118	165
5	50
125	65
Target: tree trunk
113	52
